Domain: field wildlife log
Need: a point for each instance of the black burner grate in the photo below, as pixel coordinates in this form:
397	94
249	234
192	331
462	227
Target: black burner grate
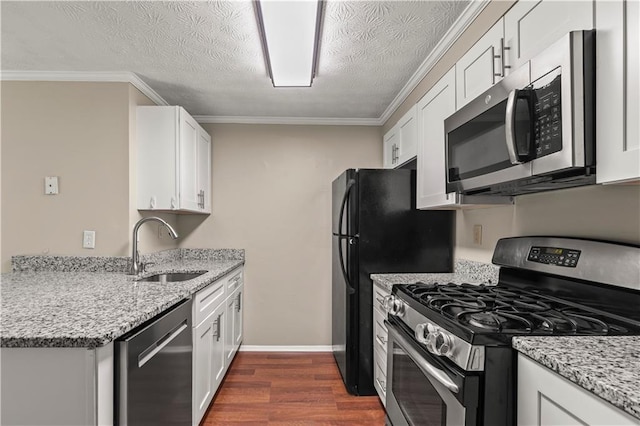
504	310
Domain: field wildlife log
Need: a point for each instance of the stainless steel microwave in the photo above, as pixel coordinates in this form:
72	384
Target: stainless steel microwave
533	131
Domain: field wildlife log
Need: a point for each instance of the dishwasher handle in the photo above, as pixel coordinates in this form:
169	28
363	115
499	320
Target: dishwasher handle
151	351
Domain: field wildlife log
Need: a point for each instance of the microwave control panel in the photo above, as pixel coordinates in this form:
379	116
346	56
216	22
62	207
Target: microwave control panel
548	118
554	256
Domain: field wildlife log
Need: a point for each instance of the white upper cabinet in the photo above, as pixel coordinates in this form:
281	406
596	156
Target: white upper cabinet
399	144
173	161
389	148
481	67
617	91
531	26
432	110
408	133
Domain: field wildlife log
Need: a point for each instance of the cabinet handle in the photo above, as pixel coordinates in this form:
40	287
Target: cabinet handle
382	384
239	301
503	53
201	199
381	340
217	333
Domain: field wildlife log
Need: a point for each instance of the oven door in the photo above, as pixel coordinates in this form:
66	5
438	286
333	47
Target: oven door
423	390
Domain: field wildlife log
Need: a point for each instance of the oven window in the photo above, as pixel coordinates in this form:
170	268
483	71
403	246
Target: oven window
418	399
479	146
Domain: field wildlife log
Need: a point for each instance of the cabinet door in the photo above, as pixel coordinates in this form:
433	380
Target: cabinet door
203	339
237	319
432	110
408	134
617	91
531	26
546	398
187	160
481	67
218	365
230	329
389	148
204	171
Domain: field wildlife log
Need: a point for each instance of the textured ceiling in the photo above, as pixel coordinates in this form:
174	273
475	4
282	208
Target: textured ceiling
206	56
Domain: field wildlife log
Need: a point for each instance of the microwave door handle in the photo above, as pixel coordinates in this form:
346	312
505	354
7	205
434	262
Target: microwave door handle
510	127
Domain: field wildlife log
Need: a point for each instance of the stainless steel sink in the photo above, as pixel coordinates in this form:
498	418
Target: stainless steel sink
172	277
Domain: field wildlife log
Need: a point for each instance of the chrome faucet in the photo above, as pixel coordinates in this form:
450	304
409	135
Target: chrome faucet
136	265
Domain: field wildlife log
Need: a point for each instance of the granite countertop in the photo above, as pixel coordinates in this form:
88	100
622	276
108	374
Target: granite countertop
465	271
608	366
75	308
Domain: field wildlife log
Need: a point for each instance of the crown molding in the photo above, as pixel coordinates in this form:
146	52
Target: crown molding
87	76
318	121
462	23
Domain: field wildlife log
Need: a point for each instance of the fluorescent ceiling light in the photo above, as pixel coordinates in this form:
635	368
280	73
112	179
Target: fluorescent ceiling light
290	35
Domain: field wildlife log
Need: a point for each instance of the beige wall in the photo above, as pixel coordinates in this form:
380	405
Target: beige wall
272	197
600	212
79	132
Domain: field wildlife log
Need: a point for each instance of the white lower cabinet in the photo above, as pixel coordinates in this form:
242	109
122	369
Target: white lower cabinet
208	360
380	337
57	386
546	398
216	338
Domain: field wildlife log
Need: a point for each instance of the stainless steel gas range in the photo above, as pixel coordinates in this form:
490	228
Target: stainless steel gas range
450	360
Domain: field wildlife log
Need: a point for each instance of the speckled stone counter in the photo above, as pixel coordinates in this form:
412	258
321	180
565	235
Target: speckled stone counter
608	366
90	309
465	271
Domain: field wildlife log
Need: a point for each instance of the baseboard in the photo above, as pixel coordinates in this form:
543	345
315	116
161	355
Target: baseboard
268	348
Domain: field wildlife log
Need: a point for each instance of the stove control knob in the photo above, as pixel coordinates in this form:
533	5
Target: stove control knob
387	302
422	332
439	342
419	333
394	306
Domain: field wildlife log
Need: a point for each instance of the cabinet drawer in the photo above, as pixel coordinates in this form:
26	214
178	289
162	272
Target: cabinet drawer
235	280
380	333
378	298
208	299
380	376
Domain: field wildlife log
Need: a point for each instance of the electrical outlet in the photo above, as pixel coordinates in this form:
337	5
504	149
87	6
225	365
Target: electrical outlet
51	185
477	234
89	239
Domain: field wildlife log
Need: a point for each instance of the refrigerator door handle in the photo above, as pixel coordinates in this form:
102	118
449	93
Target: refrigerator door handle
345	198
345	274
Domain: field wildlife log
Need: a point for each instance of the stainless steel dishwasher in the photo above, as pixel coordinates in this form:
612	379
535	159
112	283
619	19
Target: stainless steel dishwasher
153	370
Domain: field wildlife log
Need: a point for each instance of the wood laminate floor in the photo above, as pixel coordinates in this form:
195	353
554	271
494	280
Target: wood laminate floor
289	389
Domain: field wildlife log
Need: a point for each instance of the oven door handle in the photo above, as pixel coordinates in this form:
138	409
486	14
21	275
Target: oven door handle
426	368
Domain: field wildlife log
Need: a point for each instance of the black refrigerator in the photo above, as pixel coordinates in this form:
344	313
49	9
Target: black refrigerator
377	229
